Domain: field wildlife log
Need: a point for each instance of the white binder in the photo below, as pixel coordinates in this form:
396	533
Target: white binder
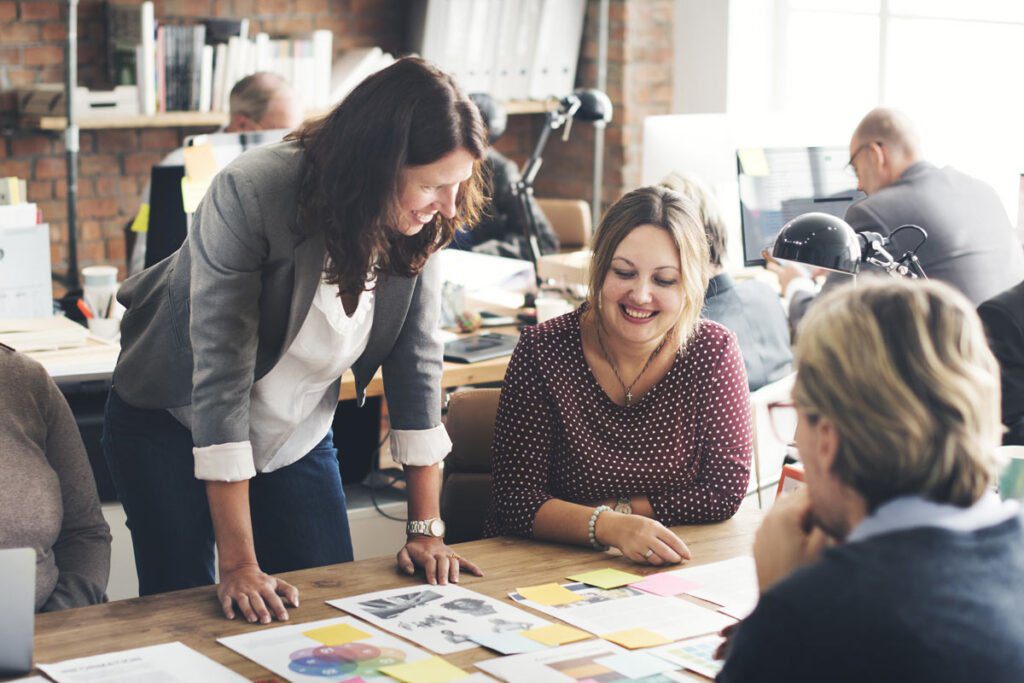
559	33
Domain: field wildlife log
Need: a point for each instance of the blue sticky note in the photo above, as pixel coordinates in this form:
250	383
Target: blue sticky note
636	664
508	643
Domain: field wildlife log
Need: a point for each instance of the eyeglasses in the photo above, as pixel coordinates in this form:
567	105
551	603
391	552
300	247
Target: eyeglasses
850	168
783	418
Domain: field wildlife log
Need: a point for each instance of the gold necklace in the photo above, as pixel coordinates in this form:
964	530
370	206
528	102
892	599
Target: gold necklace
628	389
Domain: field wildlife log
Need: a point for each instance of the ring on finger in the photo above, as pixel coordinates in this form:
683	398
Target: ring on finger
648	554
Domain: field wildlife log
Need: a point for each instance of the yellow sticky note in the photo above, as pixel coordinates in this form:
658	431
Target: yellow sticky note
200	163
192	192
549	594
634	638
556	634
606	578
753	161
141	222
338	634
433	670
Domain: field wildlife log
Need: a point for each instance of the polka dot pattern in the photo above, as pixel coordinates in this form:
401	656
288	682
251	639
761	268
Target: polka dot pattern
686	443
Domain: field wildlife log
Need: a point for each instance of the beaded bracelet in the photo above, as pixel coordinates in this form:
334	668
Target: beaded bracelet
592	527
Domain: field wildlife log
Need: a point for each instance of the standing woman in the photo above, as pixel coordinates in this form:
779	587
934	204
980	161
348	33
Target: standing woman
305	259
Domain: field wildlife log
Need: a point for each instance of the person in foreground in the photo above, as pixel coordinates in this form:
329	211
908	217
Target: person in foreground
897	562
48	495
630	414
748	308
306	258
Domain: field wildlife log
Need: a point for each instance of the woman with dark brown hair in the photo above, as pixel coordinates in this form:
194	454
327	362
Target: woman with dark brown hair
305	259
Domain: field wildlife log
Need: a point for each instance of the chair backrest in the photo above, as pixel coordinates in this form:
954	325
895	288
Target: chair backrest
769	451
466	495
570	219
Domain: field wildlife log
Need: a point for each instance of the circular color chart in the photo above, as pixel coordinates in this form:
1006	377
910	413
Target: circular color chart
350	660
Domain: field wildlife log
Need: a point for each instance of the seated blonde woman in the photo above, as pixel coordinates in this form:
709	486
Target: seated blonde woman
48	497
897	404
631	414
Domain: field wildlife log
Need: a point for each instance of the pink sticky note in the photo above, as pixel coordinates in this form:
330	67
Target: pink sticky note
665	585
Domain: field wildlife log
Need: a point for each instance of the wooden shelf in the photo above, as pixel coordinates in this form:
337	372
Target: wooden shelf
173	119
194	119
514	107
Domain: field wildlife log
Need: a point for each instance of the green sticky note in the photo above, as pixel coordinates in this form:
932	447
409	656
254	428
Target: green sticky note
549	594
433	670
556	634
337	634
606	578
633	638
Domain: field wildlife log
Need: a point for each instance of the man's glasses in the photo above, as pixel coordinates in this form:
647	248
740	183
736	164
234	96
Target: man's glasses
850	168
783	418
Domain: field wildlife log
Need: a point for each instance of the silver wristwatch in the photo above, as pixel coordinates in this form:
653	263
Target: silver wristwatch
426	527
623	505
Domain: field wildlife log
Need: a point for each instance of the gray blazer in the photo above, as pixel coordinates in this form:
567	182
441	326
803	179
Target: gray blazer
207	322
971	244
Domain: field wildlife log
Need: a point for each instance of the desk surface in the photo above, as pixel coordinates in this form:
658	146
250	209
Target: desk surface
193	616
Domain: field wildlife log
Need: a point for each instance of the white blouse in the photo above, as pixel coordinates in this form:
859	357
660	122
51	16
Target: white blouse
292	406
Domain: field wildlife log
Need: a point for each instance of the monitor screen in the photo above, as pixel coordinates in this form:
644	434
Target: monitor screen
777	185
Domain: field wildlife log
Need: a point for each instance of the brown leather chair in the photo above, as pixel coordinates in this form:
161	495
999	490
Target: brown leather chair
570	219
466	495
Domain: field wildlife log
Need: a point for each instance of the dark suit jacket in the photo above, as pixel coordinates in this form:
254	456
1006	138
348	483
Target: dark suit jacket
500	230
971	244
1003	316
751	310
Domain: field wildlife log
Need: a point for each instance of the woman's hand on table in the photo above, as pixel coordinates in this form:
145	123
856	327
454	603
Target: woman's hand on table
441	563
641	539
259	597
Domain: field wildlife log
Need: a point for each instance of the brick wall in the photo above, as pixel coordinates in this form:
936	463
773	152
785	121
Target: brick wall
115	164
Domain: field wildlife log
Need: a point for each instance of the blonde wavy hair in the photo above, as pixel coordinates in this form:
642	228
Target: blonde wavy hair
680	218
903	370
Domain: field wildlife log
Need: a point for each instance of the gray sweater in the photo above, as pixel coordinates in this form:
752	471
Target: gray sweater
48	497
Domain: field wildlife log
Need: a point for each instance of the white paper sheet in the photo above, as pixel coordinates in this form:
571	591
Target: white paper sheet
166	663
566	664
305	653
730	583
441	618
607	611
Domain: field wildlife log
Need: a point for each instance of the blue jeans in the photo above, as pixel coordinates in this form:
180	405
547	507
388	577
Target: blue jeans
298	512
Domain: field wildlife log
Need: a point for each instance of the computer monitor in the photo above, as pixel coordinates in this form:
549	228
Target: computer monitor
777	185
168	224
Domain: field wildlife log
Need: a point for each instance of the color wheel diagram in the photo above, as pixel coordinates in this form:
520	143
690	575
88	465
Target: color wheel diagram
342	661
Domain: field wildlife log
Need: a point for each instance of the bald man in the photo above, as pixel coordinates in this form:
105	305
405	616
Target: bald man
971	243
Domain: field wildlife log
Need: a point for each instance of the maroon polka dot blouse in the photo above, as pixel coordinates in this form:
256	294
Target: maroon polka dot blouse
686	444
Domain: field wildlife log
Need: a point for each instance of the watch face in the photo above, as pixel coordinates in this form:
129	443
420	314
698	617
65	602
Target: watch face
436	528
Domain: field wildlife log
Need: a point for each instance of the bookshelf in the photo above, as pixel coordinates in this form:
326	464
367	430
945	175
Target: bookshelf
195	119
172	119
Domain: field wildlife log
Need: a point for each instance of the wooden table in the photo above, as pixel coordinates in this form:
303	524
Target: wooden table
453	375
194	617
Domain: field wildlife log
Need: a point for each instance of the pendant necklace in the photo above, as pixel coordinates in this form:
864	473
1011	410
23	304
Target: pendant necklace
628	389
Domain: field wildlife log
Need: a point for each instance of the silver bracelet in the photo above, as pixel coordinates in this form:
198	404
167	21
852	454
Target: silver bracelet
592	527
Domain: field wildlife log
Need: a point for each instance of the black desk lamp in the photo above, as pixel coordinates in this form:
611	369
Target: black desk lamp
825	241
585	104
